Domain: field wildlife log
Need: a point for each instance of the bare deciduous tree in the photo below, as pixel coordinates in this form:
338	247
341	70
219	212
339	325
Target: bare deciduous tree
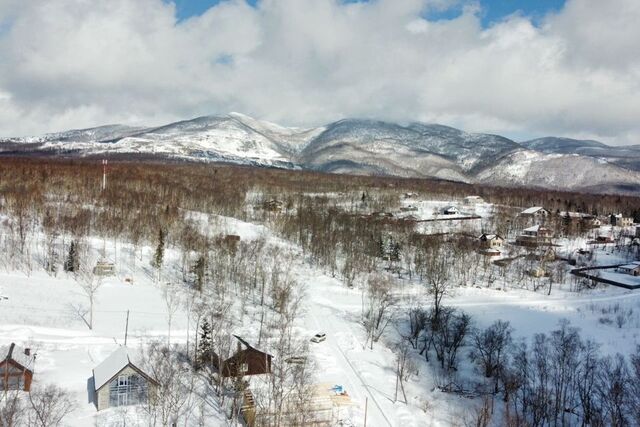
490	348
90	284
379	300
11	408
49	406
173	397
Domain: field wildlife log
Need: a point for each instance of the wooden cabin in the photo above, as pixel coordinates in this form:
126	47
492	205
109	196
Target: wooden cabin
247	360
118	381
16	369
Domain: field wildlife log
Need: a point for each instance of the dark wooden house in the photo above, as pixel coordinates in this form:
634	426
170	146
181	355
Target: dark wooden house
247	360
16	369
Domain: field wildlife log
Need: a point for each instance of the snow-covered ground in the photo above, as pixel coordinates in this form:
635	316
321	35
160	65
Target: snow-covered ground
49	314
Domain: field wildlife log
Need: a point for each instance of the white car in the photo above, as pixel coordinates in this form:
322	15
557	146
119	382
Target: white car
319	337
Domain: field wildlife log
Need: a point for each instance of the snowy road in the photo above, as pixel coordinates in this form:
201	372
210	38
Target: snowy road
321	319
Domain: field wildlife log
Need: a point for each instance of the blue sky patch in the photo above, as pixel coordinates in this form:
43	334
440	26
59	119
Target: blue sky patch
492	11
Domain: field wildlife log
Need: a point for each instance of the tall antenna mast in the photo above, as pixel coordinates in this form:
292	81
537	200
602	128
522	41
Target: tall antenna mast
104	175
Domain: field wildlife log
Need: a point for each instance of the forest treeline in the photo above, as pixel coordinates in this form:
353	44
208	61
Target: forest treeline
140	198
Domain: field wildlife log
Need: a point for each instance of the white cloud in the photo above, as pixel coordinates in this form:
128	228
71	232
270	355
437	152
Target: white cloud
76	63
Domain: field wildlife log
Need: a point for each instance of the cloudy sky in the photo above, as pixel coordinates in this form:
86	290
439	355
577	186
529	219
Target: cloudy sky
518	68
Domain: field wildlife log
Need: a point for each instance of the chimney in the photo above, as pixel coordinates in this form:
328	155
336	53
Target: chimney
27	352
11	347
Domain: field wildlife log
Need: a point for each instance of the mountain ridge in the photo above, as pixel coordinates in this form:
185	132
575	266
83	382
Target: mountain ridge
358	146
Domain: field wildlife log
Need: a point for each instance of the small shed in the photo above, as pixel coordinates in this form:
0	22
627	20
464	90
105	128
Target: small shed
273	205
104	268
472	200
537	272
408	208
632	269
118	381
604	239
16	369
451	210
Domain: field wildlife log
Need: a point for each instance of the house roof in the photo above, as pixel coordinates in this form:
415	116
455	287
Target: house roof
451	208
491	236
16	353
532	210
535	228
631	266
249	346
112	365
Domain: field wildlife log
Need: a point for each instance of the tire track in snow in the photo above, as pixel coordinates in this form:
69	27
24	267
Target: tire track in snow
357	374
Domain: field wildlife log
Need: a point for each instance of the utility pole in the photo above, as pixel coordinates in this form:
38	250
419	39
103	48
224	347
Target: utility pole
126	330
366	403
104	175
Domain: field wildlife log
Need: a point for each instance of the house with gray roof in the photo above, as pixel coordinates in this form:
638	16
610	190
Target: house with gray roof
118	381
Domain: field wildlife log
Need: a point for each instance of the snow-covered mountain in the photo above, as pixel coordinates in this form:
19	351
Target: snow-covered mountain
358	147
625	156
418	149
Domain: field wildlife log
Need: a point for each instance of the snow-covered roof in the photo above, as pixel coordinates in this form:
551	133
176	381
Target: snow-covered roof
631	266
535	228
111	366
491	236
17	354
532	210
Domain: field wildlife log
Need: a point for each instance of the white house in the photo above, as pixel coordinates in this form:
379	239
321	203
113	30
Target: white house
491	241
119	382
620	220
535	211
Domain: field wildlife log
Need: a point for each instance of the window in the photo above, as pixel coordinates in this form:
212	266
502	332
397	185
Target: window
244	368
123	381
127	390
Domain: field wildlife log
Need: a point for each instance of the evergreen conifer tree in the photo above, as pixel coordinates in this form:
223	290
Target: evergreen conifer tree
72	264
203	353
199	271
158	257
